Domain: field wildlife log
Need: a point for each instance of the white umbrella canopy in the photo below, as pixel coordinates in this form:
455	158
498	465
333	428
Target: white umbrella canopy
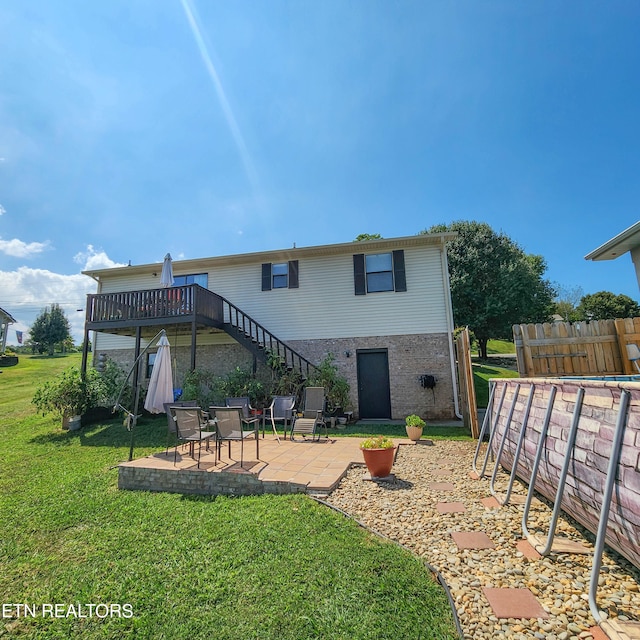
166	277
161	382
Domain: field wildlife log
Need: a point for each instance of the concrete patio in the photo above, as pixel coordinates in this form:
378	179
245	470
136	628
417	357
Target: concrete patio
283	467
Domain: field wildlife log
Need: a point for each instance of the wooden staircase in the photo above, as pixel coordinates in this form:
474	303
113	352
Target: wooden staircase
260	341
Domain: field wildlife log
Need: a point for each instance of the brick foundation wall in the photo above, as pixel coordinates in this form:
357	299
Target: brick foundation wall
582	498
409	357
200	482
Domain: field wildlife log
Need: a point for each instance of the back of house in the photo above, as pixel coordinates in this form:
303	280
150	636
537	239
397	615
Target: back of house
381	308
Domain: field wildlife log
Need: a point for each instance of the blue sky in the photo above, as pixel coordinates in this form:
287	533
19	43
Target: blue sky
133	128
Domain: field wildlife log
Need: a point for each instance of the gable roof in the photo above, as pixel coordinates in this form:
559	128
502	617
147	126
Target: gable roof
628	240
282	255
6	316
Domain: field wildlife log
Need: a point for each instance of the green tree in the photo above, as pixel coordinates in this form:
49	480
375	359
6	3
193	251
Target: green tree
567	301
50	328
494	283
605	305
368	236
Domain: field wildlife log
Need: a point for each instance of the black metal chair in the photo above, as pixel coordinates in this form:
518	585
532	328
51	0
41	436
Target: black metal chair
280	410
171	422
230	426
190	425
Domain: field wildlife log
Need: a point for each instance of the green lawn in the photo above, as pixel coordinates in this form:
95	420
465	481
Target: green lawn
482	374
262	567
498	347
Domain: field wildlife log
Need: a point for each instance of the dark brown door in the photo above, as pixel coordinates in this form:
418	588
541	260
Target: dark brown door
374	394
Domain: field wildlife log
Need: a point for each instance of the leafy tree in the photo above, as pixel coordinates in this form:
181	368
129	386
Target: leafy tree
494	283
368	236
50	328
567	301
605	305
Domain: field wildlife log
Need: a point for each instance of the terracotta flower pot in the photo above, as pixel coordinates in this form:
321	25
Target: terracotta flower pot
414	433
379	461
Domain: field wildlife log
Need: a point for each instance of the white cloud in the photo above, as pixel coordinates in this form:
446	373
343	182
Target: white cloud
19	249
26	292
92	259
2	209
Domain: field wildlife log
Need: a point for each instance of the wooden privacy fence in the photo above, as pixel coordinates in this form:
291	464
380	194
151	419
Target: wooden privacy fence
598	347
468	405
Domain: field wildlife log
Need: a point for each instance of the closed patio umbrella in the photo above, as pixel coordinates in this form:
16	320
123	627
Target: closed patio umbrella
166	277
161	382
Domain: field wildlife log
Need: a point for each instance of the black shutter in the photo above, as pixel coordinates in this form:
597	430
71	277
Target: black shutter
399	275
293	274
266	276
359	277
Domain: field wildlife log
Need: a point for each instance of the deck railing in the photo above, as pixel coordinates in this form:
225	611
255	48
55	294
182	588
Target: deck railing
253	331
180	303
187	304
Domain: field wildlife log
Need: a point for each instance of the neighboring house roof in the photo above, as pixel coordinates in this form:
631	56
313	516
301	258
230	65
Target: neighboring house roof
626	241
6	317
281	255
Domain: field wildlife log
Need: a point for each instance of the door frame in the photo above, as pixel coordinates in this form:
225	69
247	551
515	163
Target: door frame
382	350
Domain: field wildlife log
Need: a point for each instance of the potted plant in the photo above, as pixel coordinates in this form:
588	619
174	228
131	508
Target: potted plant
70	395
414	425
379	453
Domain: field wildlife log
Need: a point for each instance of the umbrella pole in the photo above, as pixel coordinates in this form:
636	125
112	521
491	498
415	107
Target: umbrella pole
117	405
134	420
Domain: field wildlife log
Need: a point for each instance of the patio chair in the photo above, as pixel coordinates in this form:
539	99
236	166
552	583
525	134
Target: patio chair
171	423
280	410
312	418
247	410
230	425
190	427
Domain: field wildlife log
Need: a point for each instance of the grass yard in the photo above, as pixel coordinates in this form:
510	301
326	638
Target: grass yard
262	567
482	374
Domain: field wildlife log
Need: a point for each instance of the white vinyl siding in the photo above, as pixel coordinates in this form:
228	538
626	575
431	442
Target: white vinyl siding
324	305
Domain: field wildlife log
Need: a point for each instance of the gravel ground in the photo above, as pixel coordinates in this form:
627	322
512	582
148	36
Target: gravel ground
405	511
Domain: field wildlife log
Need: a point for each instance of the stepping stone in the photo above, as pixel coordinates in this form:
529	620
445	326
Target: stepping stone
559	545
472	540
442	472
369	478
598	634
621	630
441	486
473	475
514	603
527	550
450	507
516	498
490	503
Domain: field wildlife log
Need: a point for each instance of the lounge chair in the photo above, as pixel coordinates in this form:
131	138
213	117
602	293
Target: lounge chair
190	426
280	410
230	425
312	418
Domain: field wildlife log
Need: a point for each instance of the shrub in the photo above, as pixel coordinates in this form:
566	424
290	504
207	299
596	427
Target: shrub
69	394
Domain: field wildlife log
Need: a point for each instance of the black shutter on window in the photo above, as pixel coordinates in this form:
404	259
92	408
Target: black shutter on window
359	277
399	275
266	276
293	274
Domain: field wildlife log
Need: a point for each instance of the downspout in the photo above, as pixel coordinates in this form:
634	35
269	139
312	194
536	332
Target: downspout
449	310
